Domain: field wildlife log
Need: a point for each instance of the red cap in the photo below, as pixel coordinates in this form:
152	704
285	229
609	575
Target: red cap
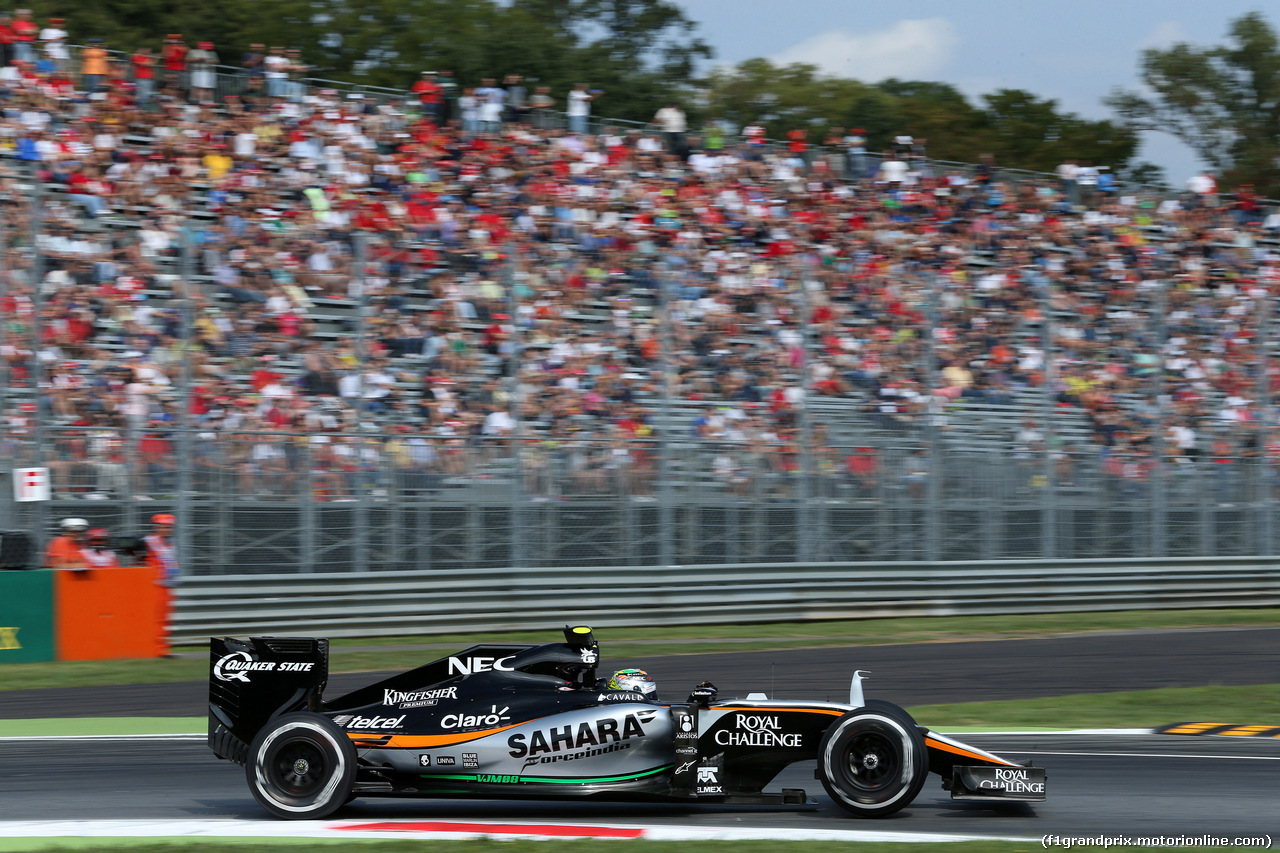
162	518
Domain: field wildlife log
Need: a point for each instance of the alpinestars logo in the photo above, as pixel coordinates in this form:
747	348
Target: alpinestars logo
684	768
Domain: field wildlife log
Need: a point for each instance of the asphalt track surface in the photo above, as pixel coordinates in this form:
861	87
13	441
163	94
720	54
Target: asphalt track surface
1118	785
908	674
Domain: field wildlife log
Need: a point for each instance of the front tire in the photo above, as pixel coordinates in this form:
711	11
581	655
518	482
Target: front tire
873	760
301	766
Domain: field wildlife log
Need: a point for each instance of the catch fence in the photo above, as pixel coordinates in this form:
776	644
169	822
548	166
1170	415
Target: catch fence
277	503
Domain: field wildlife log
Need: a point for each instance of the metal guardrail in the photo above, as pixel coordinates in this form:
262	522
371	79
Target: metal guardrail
435	602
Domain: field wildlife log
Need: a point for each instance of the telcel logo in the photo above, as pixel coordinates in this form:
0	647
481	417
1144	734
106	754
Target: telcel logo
358	722
466	666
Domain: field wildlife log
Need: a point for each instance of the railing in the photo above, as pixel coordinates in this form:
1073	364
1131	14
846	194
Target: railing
274	502
437	602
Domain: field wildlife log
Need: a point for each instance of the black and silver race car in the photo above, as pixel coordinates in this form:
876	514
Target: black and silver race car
534	721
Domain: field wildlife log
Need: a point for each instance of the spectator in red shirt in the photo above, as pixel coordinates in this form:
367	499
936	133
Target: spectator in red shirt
25	31
144	75
174	56
797	144
6	39
430	95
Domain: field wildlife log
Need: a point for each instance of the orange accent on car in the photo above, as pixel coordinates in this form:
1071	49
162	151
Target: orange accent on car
955	750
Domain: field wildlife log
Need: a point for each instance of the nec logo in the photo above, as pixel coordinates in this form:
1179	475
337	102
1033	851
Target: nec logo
466	666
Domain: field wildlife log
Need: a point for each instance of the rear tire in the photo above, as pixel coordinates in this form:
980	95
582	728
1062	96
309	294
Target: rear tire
873	760
301	766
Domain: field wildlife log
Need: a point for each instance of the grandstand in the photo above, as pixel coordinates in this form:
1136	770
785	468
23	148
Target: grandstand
534	348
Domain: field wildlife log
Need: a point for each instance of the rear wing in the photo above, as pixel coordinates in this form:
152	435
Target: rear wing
251	681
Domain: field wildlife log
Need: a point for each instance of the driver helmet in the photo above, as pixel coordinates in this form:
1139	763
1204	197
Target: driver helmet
634	679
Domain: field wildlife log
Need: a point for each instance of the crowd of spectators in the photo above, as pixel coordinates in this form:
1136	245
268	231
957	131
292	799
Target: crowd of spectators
509	276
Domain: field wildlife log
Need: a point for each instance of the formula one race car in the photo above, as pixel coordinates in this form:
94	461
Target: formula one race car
534	721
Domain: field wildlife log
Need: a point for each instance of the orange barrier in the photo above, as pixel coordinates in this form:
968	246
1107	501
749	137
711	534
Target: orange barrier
107	614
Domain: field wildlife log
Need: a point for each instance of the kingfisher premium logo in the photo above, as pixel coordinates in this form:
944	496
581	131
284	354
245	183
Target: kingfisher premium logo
418	698
9	639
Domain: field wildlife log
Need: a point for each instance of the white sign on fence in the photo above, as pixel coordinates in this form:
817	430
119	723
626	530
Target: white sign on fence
30	484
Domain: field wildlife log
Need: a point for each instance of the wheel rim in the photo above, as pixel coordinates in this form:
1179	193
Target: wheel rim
297	768
873	761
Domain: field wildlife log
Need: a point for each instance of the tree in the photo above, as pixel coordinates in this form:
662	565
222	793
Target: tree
1222	101
1019	129
1027	132
642	52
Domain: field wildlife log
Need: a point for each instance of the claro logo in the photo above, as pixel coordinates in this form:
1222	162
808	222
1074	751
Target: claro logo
466	666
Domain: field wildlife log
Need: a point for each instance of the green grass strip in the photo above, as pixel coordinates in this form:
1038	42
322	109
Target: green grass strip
1252	705
630	643
53	727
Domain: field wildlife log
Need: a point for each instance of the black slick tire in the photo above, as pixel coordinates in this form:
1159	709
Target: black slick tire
301	766
873	761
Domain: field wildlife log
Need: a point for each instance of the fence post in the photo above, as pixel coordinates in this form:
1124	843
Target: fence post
37	303
307	513
182	541
666	529
514	361
1266	525
6	487
1159	503
360	509
934	467
804	480
1049	502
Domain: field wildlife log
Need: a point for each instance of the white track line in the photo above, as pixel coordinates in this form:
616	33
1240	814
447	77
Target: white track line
191	736
1156	755
502	829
